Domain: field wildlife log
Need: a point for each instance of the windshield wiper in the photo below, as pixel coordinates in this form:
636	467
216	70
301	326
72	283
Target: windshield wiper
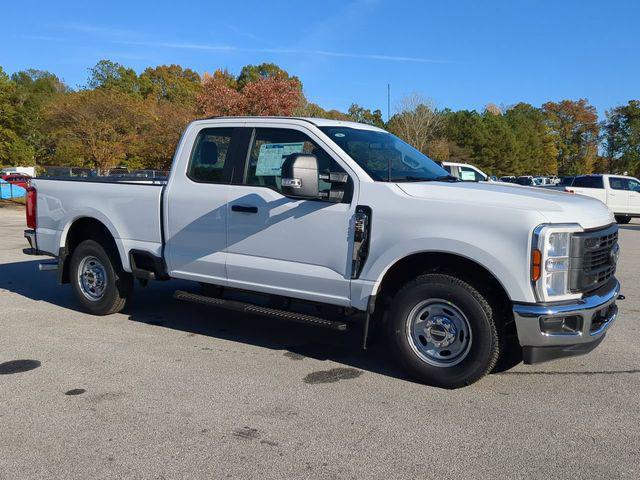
442	178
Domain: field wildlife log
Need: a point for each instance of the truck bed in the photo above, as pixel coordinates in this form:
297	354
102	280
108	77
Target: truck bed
128	207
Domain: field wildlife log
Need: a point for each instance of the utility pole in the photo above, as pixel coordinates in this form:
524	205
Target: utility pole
388	102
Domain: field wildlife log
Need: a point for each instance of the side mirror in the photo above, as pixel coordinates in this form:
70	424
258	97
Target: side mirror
300	176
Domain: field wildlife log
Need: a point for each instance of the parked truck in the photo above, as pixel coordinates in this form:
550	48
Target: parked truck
618	192
343	225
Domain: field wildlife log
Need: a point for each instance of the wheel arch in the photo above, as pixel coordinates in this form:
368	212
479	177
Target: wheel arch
415	264
85	228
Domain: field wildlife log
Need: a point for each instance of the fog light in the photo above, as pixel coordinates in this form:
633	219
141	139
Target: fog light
561	325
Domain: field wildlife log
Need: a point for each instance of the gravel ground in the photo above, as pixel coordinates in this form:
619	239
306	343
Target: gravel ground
174	390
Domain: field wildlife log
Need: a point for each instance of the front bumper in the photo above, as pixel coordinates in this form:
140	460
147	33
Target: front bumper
594	313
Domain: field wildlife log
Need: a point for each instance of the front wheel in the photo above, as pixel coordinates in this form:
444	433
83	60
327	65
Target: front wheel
443	331
101	285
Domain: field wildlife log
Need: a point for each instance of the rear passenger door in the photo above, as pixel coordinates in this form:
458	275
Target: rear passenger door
591	186
634	196
196	207
281	245
618	195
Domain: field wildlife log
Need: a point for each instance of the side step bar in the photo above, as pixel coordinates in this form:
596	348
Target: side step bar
259	310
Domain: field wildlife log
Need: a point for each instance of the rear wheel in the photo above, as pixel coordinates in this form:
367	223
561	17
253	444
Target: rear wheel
622	219
100	284
443	331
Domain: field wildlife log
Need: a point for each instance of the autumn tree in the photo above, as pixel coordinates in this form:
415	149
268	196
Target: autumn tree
574	128
98	126
270	95
171	83
219	96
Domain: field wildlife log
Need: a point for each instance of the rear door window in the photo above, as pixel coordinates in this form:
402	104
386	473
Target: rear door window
210	159
588	182
618	183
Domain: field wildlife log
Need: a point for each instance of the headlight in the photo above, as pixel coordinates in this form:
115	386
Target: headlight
550	258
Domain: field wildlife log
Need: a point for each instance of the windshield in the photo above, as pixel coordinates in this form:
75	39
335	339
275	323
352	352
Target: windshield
385	157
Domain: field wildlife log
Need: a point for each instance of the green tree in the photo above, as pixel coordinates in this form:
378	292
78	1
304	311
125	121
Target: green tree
622	138
360	114
34	90
535	151
113	76
253	73
13	149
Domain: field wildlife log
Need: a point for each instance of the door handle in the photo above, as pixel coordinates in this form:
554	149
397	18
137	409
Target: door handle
244	208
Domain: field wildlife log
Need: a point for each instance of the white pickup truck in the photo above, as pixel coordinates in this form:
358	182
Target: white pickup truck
313	215
618	192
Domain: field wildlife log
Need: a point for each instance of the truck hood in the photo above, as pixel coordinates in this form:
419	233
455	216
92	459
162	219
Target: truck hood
555	206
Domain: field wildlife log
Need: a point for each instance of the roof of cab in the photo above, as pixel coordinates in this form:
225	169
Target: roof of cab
318	122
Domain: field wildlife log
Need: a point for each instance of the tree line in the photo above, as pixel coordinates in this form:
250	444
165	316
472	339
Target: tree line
124	118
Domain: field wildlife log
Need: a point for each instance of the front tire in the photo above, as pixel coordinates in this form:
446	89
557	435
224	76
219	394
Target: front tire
100	284
443	331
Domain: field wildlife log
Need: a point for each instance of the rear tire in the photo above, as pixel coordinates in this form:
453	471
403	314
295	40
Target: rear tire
443	331
100	284
622	220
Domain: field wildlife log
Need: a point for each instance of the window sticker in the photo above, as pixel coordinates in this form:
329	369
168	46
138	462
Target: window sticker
272	155
466	175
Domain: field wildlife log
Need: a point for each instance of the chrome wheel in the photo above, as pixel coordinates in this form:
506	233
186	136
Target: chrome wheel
92	278
438	332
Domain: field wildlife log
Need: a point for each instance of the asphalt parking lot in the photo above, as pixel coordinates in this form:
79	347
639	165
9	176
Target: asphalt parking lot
174	390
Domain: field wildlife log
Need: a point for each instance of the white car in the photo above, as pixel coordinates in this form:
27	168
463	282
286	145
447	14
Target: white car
465	172
618	192
279	216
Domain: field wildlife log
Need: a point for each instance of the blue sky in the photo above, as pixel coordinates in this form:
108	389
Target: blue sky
461	54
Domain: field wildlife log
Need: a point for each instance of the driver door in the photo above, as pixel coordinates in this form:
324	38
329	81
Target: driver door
281	245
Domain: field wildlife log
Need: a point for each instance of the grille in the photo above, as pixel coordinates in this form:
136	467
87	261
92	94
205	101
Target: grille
591	260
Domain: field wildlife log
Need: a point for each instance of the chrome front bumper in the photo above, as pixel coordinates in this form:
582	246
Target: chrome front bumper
597	313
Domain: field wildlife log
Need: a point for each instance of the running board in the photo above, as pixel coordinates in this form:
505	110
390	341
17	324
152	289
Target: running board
259	310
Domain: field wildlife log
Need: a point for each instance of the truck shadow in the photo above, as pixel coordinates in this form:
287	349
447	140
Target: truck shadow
156	306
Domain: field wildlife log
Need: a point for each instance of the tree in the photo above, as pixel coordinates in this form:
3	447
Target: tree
13	149
360	114
271	95
113	76
172	83
34	90
219	97
100	126
308	109
416	122
159	132
253	73
622	138
535	150
574	128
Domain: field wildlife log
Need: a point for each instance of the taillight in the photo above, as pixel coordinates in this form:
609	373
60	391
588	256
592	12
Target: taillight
32	204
